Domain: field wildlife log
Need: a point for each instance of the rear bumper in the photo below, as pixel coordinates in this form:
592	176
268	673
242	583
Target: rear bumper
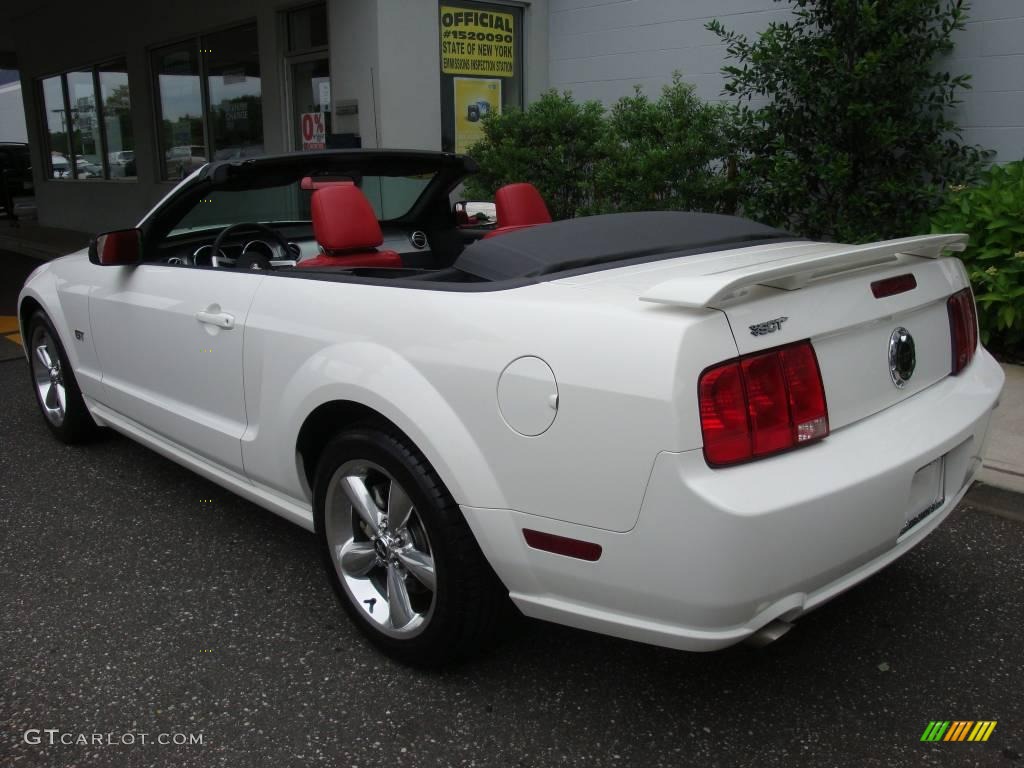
717	554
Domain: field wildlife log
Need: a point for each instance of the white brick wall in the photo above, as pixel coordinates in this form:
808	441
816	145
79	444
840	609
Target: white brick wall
600	49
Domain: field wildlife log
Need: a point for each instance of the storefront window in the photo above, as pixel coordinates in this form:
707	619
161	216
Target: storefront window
481	68
115	105
222	120
233	81
85	133
182	137
56	127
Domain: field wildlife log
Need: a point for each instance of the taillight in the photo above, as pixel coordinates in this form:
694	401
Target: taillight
762	404
963	328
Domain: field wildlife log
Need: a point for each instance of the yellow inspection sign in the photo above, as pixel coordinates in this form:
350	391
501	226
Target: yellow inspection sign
477	42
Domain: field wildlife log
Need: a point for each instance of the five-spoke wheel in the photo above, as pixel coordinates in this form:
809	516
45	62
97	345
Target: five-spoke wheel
399	552
380	549
60	400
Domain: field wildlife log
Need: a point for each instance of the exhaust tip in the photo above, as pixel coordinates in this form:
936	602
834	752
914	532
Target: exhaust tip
768	634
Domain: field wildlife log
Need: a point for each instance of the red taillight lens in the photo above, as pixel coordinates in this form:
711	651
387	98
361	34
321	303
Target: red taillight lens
723	415
762	404
963	328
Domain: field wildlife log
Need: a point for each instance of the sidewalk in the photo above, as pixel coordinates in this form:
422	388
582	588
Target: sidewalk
1004	458
38	242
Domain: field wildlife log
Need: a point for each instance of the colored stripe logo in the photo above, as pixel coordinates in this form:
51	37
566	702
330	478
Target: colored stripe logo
958	730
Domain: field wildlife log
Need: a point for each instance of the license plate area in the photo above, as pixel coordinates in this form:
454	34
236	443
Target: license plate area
927	493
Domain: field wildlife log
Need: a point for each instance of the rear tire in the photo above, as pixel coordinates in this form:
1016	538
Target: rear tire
53	381
399	554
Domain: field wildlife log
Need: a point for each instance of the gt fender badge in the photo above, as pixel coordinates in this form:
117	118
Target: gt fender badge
768	326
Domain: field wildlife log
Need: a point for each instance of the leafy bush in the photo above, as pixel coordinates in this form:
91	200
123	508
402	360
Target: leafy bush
855	142
992	213
556	144
641	155
669	154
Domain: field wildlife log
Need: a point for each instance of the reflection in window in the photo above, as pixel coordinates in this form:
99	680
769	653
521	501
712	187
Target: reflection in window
233	80
182	146
56	127
78	123
229	115
85	133
117	123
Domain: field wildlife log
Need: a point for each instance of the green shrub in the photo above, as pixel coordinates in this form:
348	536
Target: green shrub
855	142
556	144
992	213
669	154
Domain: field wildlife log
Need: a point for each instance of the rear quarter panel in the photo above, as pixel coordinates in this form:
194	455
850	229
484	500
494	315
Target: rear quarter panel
430	361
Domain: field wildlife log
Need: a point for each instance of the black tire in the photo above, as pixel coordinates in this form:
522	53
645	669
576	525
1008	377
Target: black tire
469	601
77	425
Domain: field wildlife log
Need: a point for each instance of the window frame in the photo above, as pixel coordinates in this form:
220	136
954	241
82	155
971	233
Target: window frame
93	70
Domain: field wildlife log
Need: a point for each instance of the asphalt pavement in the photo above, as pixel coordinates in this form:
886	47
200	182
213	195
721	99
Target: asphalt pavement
139	599
14	268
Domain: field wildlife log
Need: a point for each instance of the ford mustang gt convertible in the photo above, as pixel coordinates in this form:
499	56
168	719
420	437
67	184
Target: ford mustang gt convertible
680	428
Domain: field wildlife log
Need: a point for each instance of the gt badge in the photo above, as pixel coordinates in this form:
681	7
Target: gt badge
769	326
902	357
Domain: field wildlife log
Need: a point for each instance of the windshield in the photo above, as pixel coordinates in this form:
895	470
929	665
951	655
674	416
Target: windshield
391	197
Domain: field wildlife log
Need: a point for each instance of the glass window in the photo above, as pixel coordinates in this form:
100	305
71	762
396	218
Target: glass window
233	81
182	142
117	120
390	196
85	133
307	28
89	139
481	68
220	121
56	127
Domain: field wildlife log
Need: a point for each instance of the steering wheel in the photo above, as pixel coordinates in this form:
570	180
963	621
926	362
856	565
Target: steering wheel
250	263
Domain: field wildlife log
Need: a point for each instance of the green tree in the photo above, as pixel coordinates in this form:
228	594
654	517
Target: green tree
856	141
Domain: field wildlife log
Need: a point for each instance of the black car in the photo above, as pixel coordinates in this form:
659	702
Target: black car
16	169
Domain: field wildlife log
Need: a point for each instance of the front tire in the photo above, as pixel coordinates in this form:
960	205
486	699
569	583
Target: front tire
53	381
399	553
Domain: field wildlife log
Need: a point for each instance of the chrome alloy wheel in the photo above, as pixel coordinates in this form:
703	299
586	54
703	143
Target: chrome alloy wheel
48	376
380	549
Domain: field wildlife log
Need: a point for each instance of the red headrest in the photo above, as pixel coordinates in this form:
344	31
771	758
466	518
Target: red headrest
520	204
343	219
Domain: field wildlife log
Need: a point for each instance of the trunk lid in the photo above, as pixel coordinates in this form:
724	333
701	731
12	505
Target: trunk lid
823	292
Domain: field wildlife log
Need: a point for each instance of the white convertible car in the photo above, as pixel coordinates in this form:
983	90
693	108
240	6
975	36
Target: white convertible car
679	428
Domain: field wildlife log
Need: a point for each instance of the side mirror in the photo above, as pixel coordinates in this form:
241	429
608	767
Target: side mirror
116	248
475	214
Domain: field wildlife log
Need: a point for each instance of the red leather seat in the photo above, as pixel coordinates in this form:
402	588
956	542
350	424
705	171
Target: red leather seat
347	229
518	206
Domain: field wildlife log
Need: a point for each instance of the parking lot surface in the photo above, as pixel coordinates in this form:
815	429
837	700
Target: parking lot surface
138	598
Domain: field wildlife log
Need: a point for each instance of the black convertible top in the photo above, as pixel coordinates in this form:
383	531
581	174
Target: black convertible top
591	241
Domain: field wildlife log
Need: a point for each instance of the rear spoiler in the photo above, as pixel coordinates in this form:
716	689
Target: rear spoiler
794	271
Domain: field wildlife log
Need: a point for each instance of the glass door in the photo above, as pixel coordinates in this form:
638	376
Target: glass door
310	111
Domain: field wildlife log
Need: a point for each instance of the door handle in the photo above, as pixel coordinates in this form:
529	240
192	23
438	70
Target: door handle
220	319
